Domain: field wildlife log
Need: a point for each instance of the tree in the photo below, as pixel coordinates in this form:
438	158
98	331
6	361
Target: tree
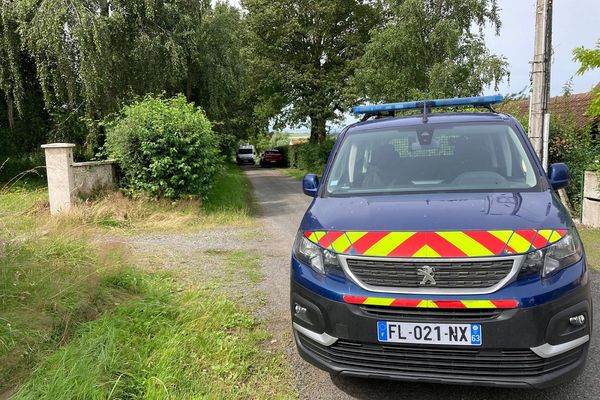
589	59
91	57
94	56
11	74
221	84
305	51
431	48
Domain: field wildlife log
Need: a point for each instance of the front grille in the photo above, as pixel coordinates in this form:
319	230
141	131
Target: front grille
411	359
422	314
452	274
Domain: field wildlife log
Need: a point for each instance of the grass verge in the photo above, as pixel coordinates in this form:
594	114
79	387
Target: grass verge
229	203
231	194
78	321
49	285
591	241
295	173
164	346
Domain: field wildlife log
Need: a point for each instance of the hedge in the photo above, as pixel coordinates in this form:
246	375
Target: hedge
308	156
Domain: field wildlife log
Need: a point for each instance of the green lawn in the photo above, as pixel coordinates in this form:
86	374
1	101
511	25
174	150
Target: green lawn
295	173
80	320
161	345
591	241
231	193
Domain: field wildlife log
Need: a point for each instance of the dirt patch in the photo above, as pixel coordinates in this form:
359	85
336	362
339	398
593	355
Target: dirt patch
7	393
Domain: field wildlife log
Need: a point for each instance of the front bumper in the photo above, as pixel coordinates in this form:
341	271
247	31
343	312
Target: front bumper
525	347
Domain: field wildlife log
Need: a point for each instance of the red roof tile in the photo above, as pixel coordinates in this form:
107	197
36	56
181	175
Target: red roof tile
573	106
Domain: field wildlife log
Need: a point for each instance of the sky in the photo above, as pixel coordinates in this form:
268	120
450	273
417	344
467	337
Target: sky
574	23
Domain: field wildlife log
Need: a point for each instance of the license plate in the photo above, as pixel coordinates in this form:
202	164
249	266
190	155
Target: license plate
423	333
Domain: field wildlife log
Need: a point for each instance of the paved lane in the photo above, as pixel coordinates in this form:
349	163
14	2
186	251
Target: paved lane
283	204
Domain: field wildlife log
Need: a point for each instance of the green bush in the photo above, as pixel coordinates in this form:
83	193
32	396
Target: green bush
309	157
577	149
166	148
285	154
569	143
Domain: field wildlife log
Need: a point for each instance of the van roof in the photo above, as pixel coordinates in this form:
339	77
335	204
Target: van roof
435	118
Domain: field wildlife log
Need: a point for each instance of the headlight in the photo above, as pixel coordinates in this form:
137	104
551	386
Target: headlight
566	252
315	256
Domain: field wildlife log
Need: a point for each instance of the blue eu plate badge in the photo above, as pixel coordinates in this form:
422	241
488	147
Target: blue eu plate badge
476	334
382	330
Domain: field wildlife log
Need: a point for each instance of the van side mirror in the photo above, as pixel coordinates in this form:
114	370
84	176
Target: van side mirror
310	185
558	173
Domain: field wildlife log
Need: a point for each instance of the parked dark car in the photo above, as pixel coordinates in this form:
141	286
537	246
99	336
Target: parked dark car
271	158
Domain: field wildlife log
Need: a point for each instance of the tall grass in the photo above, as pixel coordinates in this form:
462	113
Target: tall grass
79	321
229	202
48	286
231	193
164	346
24	167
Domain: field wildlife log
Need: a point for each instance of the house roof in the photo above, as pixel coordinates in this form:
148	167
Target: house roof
567	106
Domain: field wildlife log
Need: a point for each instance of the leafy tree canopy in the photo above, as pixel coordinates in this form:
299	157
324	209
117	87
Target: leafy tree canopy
11	76
431	48
91	57
589	59
305	50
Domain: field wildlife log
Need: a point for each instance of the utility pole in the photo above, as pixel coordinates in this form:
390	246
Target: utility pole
539	118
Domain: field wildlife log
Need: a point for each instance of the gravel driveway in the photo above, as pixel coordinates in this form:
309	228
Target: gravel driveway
283	205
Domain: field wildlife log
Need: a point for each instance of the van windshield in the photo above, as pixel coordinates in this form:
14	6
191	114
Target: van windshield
457	157
245	151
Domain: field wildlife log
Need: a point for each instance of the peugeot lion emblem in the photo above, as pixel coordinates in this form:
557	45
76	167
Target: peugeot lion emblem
427	273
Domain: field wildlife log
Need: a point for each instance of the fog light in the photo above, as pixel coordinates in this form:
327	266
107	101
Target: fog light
577	320
299	310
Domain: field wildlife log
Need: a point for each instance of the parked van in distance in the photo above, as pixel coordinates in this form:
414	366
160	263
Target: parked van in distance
246	154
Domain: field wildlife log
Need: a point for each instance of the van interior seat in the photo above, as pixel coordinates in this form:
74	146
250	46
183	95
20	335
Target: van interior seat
384	167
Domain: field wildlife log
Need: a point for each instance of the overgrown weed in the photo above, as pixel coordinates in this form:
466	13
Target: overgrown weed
77	320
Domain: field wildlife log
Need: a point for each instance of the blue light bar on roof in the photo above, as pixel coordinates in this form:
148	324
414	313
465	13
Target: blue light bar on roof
478	101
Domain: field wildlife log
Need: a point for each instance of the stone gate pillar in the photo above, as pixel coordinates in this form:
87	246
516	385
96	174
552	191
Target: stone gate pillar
59	157
591	200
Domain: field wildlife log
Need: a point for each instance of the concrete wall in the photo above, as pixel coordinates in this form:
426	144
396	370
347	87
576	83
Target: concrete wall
90	177
67	179
591	200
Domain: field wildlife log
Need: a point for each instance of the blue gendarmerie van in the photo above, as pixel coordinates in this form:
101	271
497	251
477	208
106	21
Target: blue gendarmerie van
436	249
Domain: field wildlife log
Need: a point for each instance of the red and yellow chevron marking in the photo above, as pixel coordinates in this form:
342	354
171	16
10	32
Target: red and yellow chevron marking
416	303
435	244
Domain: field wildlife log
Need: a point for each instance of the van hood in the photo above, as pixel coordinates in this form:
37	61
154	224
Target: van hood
536	216
438	212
